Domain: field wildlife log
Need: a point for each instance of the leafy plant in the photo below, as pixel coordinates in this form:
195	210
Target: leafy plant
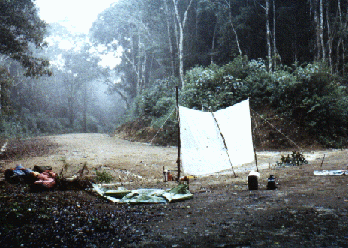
309	100
103	176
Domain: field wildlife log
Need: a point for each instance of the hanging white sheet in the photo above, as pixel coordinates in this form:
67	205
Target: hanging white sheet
202	147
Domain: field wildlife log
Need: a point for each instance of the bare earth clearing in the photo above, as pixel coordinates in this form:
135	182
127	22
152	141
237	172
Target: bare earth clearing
305	210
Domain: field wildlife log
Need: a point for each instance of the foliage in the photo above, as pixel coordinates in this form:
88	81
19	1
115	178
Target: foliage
20	149
103	177
5	85
308	101
20	29
307	97
59	104
152	117
225	61
157	101
215	87
138	28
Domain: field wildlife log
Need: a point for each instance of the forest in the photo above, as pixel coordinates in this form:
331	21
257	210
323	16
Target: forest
288	57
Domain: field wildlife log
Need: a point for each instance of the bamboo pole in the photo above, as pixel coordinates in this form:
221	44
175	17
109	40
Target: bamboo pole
255	155
322	161
179	140
224	142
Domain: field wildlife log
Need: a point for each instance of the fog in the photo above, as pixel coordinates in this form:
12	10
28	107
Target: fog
83	73
79	91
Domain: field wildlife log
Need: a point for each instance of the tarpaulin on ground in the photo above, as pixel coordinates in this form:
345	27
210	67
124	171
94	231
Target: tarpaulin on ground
140	196
204	135
330	172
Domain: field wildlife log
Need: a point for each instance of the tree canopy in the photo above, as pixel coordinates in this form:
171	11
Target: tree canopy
280	46
21	30
287	56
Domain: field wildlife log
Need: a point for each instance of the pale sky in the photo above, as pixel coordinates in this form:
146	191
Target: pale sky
76	15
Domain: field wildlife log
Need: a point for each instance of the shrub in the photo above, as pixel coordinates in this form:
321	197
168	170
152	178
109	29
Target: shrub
308	98
156	101
103	176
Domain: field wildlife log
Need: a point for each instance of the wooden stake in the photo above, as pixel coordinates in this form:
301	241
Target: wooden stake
321	165
179	140
224	141
255	155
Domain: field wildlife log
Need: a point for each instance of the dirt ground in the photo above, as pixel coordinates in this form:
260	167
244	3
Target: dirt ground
304	211
126	161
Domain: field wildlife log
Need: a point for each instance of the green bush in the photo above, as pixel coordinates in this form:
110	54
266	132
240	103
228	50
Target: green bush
103	176
156	101
308	100
307	97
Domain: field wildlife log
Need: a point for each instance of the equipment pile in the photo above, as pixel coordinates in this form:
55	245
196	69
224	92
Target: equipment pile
294	159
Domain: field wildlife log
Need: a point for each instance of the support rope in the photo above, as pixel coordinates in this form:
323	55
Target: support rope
293	142
162	125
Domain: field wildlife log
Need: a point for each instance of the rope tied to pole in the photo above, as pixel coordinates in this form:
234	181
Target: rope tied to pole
293	142
162	125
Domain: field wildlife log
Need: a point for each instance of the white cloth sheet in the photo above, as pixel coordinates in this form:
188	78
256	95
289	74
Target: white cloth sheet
202	147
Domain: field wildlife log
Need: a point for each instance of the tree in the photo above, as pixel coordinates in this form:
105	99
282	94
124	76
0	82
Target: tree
181	19
268	37
20	30
80	71
169	18
137	27
227	4
5	80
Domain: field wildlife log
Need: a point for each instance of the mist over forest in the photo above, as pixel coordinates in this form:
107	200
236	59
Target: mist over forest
288	57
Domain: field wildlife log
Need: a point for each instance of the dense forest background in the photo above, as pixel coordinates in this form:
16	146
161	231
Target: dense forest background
288	57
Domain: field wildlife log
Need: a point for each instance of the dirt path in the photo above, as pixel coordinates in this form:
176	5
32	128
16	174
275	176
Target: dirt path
305	210
123	159
133	161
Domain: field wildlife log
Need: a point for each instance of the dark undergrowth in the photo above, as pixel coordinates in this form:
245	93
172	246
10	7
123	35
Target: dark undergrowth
21	148
268	134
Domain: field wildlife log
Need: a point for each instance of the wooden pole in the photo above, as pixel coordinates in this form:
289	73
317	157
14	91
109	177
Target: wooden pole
224	141
255	155
179	140
322	161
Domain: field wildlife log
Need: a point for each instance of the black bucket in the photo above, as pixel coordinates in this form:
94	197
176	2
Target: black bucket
253	182
271	185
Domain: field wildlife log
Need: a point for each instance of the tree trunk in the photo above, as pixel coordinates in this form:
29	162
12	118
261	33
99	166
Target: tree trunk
181	26
330	41
71	102
268	38
213	46
4	85
338	52
181	56
2	97
322	29
317	30
71	111
233	29
170	42
236	35
143	80
85	107
275	51
138	67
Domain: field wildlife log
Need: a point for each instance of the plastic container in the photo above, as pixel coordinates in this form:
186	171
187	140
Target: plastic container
271	185
253	183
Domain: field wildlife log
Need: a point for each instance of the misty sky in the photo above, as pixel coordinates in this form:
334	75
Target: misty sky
76	15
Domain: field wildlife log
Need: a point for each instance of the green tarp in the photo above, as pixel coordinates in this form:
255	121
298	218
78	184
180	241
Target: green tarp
122	195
